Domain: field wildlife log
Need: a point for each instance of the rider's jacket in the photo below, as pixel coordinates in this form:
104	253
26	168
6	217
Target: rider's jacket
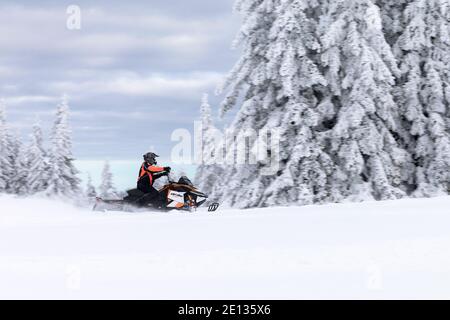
150	172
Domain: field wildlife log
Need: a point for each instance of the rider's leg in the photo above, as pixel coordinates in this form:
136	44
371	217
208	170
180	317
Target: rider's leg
153	197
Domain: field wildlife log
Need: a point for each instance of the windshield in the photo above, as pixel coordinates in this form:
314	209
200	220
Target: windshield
185	180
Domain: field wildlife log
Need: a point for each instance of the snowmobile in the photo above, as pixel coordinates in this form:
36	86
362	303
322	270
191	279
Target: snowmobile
181	195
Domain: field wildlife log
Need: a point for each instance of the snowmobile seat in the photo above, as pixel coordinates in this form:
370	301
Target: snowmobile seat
134	194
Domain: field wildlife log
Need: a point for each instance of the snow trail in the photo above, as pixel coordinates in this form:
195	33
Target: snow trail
398	249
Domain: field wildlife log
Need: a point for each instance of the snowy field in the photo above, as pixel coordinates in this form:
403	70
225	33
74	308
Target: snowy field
372	250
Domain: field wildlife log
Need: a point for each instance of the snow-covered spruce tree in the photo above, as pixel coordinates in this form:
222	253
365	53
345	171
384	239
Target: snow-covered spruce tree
217	168
63	180
106	189
9	156
91	192
424	56
36	162
5	165
209	172
282	89
18	183
366	138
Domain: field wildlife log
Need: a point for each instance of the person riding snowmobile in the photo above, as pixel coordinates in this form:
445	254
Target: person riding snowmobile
148	173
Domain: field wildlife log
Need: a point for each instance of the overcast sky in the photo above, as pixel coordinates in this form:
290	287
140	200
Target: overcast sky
134	72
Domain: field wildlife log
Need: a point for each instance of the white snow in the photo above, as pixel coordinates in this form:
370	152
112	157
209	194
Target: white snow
373	250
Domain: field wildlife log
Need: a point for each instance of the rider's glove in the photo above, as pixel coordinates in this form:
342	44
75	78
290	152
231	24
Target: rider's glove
168	169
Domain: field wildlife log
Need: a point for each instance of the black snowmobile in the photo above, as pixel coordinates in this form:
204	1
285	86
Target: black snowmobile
181	195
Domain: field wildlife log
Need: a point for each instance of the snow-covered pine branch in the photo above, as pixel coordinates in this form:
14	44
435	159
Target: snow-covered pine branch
392	18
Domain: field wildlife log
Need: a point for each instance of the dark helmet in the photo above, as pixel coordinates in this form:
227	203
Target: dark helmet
150	157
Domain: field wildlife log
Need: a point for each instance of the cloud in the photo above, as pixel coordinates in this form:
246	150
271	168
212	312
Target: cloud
134	67
8	71
160	85
106	31
132	84
129	51
17	100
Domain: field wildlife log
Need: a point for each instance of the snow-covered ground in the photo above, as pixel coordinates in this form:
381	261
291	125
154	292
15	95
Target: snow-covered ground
370	250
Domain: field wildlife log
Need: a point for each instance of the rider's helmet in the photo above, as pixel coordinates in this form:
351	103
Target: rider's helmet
150	158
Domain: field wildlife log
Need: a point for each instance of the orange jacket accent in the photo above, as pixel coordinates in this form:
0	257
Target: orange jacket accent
149	170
